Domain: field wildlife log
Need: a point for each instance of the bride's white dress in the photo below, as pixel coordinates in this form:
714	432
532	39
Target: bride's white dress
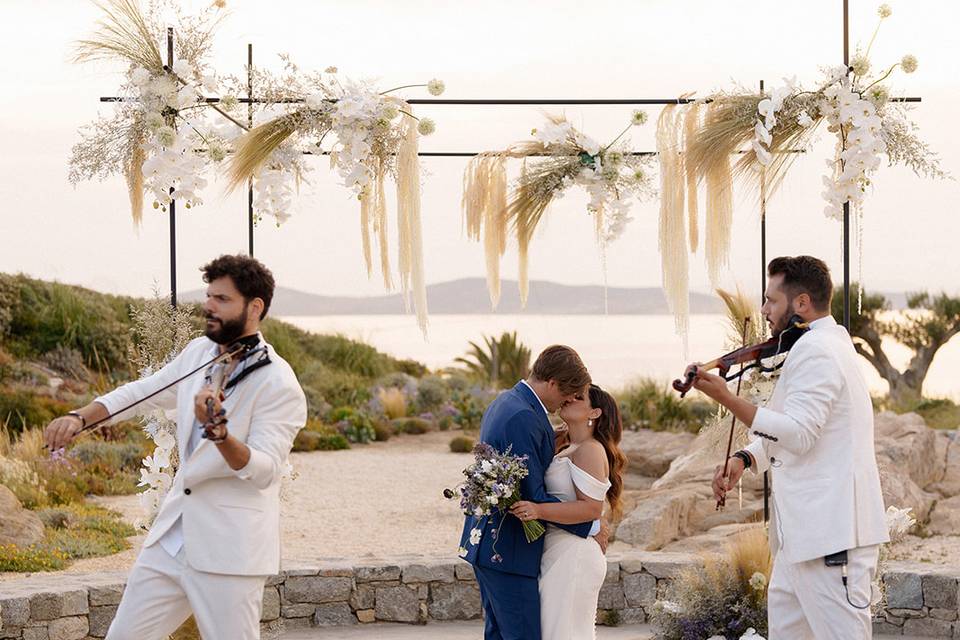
573	568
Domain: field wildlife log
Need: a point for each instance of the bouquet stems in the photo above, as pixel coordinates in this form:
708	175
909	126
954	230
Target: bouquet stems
533	530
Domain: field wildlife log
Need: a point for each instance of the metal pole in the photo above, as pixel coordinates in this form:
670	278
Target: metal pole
173	203
763	293
846	205
250	126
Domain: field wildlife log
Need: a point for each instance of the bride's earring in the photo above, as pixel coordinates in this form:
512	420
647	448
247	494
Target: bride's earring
590	422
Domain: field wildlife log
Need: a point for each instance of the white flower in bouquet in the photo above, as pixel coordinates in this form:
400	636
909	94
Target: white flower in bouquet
751	634
908	63
879	95
209	83
389	111
436	87
884	11
187	97
587	143
638	117
475	536
758	581
166	136
426	126
804	119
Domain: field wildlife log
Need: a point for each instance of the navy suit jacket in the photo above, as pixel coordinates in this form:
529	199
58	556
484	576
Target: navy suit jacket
515	418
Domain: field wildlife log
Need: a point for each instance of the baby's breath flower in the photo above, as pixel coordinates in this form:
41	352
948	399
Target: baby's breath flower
166	135
390	111
908	63
884	11
878	95
638	117
436	87
229	102
426	126
860	65
154	120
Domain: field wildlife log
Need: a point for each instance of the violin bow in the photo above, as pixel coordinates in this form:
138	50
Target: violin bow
721	503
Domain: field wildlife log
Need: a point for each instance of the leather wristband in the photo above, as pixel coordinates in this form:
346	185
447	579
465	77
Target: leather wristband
745	457
75	414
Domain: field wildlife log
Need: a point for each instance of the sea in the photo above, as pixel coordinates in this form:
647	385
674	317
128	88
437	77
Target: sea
617	349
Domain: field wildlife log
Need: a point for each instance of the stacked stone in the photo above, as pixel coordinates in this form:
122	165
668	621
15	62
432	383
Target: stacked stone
635	583
920	601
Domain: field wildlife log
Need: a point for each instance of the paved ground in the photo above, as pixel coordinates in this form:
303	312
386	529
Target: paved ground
460	631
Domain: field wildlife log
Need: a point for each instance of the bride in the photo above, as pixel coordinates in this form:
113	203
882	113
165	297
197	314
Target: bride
582	475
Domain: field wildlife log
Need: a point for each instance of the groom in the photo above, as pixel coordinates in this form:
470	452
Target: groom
508	575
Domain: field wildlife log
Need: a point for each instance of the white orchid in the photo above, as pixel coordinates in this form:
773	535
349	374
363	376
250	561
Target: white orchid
140	76
804	119
553	133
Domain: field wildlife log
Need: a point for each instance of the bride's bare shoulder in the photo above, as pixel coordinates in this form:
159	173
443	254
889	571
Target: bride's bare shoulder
592	458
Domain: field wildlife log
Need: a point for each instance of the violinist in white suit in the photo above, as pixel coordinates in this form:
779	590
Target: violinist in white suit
217	534
816	437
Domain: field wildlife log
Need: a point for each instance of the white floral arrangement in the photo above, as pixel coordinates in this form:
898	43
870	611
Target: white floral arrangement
559	157
164	136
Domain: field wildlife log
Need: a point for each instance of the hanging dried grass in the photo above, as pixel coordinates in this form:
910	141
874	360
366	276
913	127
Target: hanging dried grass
123	33
380	227
673	240
408	208
484	205
719	182
691	121
133	171
366	203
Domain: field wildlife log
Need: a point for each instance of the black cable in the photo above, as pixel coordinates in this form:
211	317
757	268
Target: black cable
846	589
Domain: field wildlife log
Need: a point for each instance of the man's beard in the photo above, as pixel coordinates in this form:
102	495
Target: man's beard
230	330
784	321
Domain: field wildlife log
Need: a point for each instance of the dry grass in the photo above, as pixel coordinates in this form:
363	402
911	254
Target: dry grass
258	144
393	401
123	32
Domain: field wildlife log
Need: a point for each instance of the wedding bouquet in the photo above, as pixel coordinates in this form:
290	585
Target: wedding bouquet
493	484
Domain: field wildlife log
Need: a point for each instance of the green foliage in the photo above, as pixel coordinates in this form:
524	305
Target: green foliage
432	394
41	316
21	409
648	404
938	413
468	410
462	444
320	439
354	424
412	426
333	387
72	531
929	322
500	363
383	429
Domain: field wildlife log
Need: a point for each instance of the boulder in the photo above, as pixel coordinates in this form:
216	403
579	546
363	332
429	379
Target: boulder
660	517
18	526
945	517
911	457
649	453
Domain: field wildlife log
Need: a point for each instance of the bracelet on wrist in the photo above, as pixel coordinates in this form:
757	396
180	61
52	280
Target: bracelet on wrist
744	457
77	414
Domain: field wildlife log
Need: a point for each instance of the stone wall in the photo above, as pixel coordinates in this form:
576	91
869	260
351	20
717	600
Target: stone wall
920	600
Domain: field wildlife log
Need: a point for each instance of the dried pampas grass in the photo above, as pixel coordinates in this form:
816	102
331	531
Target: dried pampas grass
484	205
673	239
408	213
123	33
257	145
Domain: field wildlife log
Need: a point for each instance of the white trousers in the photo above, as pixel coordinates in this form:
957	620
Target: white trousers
162	592
807	600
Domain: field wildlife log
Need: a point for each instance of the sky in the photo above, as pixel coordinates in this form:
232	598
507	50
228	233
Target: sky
494	49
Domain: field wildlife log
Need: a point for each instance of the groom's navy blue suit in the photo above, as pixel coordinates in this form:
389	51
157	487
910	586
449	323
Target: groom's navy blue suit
508	574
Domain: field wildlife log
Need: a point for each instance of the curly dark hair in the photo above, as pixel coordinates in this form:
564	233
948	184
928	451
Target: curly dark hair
804	274
249	276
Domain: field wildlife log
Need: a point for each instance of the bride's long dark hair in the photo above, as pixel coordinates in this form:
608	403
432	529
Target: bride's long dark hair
608	430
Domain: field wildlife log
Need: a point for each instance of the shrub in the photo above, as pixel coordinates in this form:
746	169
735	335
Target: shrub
413	426
648	404
468	409
66	361
383	429
336	388
939	413
392	402
21	409
432	394
317	436
353	424
462	444
724	598
30	559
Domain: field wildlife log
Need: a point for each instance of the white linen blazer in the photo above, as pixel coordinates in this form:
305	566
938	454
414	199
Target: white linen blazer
816	437
231	519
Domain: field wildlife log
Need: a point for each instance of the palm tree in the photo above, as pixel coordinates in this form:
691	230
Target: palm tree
501	363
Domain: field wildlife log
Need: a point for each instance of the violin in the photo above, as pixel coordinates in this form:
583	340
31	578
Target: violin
751	356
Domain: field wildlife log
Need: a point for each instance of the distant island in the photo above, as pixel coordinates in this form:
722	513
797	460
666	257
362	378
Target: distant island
468	296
